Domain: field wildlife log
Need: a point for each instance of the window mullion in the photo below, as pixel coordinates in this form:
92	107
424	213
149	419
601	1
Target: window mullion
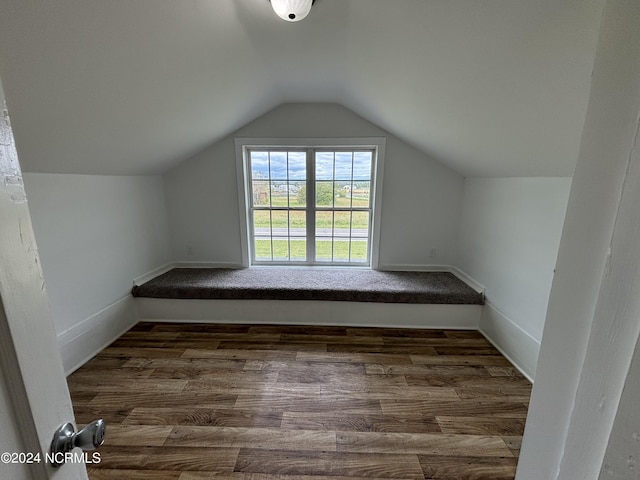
288	214
351	207
271	233
311	202
270	209
333	209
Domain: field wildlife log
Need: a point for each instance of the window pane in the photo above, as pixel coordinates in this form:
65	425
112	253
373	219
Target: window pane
344	162
278	165
324	165
362	165
280	248
324	194
261	222
279	223
260	195
280	234
342	191
359	249
298	223
259	165
298	250
360	195
342	224
340	250
324	224
297	166
297	194
279	195
323	249
360	224
262	247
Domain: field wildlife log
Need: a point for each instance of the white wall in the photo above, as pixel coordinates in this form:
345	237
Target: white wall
509	236
420	205
95	235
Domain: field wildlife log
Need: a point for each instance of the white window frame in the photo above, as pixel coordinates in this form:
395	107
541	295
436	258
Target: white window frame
243	145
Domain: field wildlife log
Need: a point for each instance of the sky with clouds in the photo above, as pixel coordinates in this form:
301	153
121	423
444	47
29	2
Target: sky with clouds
329	165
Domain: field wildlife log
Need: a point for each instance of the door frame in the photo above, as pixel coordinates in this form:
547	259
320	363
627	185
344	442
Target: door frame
29	354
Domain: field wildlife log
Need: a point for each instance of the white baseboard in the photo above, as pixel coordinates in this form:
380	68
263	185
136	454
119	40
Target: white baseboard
145	277
84	340
473	283
520	348
307	312
477	286
405	267
196	264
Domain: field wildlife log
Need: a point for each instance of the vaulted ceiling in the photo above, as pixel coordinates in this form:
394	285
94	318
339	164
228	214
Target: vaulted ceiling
488	87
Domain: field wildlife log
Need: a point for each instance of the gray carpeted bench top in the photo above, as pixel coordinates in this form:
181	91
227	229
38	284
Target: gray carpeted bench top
334	284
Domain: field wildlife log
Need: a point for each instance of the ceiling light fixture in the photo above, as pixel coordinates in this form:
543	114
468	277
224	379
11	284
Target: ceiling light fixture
292	10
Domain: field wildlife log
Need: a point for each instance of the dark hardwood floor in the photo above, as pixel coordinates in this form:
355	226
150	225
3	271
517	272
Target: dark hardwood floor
242	402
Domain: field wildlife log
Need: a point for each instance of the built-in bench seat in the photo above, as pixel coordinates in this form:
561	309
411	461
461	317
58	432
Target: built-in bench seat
326	284
310	296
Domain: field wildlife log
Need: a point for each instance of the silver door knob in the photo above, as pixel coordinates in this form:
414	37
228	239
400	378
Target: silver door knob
66	439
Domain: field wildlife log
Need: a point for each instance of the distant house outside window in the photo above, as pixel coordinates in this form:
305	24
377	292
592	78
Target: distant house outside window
310	205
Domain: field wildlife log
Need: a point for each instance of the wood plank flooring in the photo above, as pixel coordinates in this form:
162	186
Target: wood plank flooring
242	402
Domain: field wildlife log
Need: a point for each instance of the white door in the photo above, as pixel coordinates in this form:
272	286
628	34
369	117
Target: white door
34	399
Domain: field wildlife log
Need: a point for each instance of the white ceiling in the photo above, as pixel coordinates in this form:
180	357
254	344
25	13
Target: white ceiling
488	87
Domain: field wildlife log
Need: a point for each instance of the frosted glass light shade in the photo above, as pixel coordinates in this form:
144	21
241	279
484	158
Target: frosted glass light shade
292	10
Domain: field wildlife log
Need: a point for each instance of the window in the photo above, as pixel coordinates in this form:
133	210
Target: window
309	205
278	208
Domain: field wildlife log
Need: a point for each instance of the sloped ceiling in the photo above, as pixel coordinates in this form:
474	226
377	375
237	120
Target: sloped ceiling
488	87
